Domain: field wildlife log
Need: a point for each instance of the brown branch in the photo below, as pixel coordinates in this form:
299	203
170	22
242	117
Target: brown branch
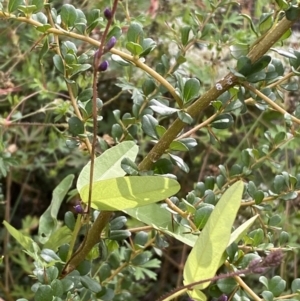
259	49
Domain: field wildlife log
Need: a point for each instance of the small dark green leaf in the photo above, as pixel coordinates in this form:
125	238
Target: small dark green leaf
148	45
293	13
49	255
244	65
44	293
279	137
279	184
267	296
191	89
233	106
141	258
77	68
180	163
256	77
185	117
222	121
90	284
295	62
236	169
129	167
114	260
119	234
251	188
284	238
104	271
220	181
39	4
40	17
68	15
285	53
52	273
149	124
86	95
209	197
226	285
148	86
44	49
282	4
161	108
163	166
274	220
116	131
57	288
69	220
58	63
277	285
296	285
257	236
289	196
84	267
178	146
93	15
260	64
209	182
293	86
43	28
118	223
76	126
13	5
141	238
135	33
27	9
202	214
134	48
185	31
116	32
160	130
189	142
70	58
258	196
265	22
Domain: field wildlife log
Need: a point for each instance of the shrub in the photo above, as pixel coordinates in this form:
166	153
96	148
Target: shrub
110	111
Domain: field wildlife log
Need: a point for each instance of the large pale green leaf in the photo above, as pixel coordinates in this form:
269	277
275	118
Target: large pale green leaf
161	219
129	192
204	259
108	165
48	221
197	295
25	241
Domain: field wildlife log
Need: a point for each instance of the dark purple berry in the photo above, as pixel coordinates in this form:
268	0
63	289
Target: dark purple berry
107	13
110	44
223	297
78	209
103	66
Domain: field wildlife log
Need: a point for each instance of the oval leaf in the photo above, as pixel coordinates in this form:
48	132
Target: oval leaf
129	192
68	15
48	221
76	126
108	165
204	259
191	89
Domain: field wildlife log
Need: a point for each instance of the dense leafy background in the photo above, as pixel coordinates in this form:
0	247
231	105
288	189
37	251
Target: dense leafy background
247	140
